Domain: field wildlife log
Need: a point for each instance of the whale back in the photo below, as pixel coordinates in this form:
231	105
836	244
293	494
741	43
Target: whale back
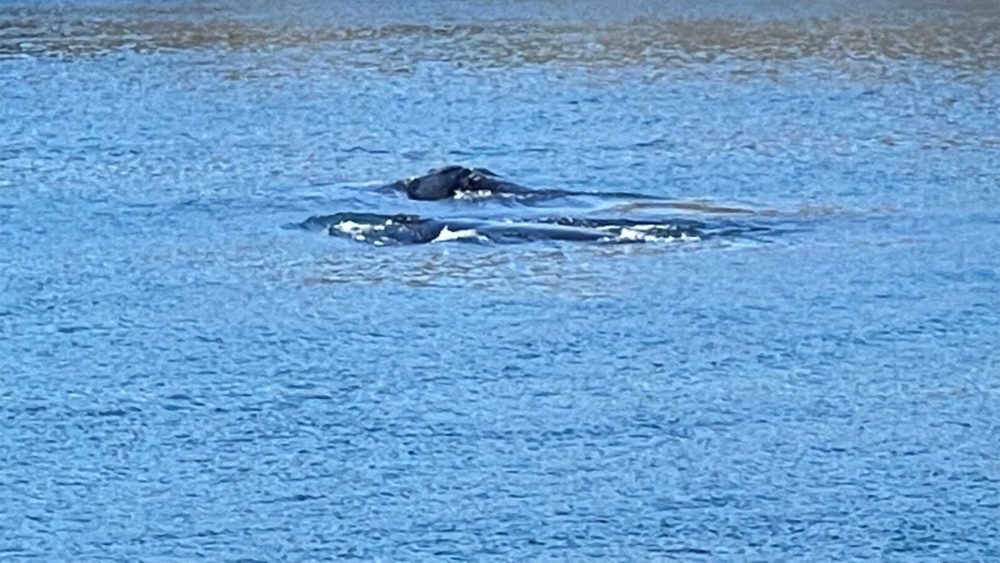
438	184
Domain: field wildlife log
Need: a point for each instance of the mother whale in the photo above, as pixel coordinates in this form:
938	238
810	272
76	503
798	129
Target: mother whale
380	229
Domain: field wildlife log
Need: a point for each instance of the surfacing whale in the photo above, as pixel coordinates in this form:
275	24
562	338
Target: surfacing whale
594	217
459	181
382	230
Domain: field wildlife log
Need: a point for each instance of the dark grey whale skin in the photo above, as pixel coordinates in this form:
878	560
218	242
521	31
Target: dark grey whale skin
412	229
445	183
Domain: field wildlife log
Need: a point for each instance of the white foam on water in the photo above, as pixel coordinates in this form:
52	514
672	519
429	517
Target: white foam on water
477	194
447	234
640	233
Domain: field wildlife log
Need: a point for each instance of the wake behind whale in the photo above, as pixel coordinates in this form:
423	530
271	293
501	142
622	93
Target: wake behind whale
571	223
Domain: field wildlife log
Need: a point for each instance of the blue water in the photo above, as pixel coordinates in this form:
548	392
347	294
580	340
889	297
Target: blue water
181	377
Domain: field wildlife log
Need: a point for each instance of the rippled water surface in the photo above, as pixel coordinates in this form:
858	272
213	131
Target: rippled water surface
183	376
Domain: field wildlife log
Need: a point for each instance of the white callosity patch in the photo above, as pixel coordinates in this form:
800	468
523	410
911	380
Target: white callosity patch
350	227
358	230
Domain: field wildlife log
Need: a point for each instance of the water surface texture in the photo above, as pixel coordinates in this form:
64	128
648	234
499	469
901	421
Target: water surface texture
183	376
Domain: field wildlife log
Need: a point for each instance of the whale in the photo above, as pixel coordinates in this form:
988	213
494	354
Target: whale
455	181
594	217
403	229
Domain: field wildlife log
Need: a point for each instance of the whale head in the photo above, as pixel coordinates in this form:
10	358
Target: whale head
443	183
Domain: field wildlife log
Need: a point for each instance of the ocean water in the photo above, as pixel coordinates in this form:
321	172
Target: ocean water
183	376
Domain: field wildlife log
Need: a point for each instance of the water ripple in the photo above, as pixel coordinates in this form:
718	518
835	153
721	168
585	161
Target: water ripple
870	44
180	378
